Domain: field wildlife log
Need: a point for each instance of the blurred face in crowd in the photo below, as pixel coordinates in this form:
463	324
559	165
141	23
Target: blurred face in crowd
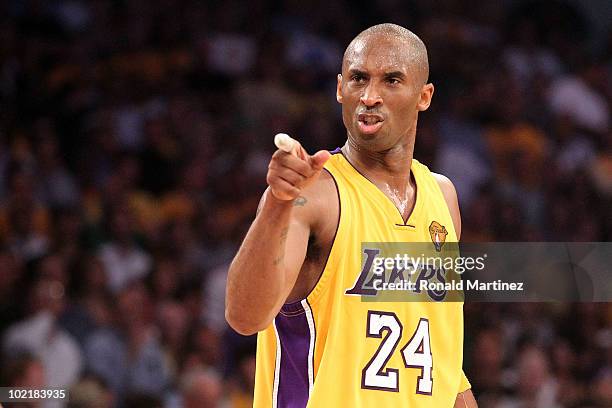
382	88
534	371
9	271
133	306
33	376
204	391
48	294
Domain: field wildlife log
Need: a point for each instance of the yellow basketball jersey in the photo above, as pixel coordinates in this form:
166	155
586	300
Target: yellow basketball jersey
333	349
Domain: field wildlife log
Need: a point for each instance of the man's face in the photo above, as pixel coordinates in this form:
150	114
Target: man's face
381	92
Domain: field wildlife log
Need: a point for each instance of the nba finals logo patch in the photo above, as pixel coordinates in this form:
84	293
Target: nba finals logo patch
438	234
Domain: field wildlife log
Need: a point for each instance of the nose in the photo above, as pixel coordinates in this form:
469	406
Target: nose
371	96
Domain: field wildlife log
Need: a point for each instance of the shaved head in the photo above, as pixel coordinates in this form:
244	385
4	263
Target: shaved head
411	47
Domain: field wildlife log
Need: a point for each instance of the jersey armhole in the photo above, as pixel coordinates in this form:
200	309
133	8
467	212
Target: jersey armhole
321	284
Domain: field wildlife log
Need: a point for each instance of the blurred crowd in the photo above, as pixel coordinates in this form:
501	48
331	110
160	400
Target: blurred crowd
134	142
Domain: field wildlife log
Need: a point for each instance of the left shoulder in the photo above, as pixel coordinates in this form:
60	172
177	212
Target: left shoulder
450	196
447	186
444	182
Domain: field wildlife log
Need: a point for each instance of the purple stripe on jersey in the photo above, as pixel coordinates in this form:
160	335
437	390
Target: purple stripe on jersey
336	151
294	336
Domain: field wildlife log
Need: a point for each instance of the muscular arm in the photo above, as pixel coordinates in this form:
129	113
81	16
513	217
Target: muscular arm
266	266
265	270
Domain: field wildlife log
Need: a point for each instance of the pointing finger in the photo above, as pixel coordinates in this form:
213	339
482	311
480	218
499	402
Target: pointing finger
285	143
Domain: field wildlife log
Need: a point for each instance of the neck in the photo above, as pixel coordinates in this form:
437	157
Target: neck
389	170
390	167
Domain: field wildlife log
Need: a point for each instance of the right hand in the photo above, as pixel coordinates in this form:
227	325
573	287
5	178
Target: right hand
289	173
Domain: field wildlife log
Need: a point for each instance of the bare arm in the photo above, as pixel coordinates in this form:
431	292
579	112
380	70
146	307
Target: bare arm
465	399
264	269
269	260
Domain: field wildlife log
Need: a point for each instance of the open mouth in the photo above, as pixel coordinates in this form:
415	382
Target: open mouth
369	124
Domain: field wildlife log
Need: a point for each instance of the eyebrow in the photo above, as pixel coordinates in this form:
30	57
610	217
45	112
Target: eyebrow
387	75
395	74
355	71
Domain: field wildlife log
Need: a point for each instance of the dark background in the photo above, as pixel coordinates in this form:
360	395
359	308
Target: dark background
134	142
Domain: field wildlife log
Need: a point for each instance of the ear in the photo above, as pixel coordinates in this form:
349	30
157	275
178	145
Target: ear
425	97
339	89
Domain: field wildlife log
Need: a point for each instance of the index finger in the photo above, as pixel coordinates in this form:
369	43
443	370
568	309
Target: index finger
285	143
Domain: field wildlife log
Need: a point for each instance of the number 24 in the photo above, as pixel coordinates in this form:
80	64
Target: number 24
416	354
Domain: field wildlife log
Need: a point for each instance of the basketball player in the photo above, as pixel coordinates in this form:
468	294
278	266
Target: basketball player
295	279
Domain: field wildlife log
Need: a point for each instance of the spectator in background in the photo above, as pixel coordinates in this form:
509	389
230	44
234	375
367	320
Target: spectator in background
242	385
58	187
23	371
581	97
602	389
128	355
124	262
200	389
10	273
40	335
90	392
24	220
173	322
131	142
92	304
535	386
462	151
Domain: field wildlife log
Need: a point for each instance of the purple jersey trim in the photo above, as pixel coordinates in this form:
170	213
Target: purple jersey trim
294	335
336	150
292	308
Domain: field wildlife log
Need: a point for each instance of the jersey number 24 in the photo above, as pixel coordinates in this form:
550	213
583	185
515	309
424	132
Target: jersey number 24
416	354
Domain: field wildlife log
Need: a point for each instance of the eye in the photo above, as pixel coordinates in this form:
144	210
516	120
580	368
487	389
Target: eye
393	81
359	78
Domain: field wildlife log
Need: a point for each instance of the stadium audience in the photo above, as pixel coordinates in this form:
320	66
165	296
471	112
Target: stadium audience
134	141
